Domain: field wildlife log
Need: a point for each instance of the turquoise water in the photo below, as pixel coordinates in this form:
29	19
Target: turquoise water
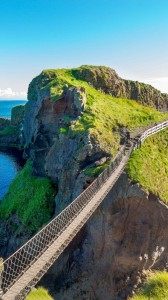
10	163
10	160
7	105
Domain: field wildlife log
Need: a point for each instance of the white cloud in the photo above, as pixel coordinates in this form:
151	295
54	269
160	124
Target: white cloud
8	93
160	83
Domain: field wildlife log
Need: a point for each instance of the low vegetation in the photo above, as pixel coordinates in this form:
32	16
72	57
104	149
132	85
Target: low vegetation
8	130
39	294
32	198
103	116
95	171
149	165
156	288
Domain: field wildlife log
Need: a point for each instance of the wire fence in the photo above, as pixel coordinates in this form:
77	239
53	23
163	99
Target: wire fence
149	132
23	258
16	265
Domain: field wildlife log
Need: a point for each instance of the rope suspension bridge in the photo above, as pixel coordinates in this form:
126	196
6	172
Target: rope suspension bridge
22	270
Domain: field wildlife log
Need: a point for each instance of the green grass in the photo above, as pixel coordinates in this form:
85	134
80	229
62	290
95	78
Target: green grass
64	130
39	294
32	198
156	288
8	130
95	171
149	165
103	114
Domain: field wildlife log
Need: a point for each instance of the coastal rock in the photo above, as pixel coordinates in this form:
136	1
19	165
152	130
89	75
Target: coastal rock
103	79
124	238
128	232
13	234
54	106
54	151
11	130
4	122
17	115
107	80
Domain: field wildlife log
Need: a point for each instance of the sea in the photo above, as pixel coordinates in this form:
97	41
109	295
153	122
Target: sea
10	160
7	105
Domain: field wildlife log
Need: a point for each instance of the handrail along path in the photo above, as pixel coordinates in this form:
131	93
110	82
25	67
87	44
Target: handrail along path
23	269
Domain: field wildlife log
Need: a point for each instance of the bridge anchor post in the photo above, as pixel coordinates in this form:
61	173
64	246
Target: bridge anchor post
1	270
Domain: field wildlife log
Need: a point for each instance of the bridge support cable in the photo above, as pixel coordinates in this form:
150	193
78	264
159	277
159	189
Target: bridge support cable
23	269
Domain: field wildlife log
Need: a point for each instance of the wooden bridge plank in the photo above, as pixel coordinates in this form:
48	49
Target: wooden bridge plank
68	234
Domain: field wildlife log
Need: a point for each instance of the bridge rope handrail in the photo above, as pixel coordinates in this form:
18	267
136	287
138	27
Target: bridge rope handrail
24	257
19	261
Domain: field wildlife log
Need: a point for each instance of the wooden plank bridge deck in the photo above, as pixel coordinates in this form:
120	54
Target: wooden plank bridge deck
65	238
21	270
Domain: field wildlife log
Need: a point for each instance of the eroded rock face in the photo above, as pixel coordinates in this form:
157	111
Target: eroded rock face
17	115
13	234
4	122
53	108
11	130
107	80
54	151
104	79
126	235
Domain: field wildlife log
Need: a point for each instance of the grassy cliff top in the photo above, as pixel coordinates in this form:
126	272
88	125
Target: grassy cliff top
148	165
156	288
104	115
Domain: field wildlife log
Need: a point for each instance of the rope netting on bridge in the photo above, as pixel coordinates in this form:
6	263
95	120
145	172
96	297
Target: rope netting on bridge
20	261
17	264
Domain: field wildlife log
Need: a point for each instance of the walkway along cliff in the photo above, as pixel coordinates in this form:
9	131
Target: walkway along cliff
23	269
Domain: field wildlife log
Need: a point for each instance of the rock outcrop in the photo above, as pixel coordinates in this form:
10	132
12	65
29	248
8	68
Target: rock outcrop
11	130
107	80
13	234
54	151
4	123
125	236
54	106
128	232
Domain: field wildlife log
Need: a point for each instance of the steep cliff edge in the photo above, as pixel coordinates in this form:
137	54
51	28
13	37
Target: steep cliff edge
72	130
126	236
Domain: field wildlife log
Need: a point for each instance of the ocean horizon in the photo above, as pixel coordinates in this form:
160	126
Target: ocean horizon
7	105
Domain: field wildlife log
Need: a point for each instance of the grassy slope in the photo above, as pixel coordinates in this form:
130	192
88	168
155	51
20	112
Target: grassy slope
149	165
8	130
156	288
39	294
103	114
102	117
32	198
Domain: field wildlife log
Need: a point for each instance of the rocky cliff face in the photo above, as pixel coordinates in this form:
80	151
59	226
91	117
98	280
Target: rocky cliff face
128	232
11	130
107	80
54	106
13	234
54	151
125	236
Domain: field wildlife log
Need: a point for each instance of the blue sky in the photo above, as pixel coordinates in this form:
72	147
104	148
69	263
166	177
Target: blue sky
127	35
